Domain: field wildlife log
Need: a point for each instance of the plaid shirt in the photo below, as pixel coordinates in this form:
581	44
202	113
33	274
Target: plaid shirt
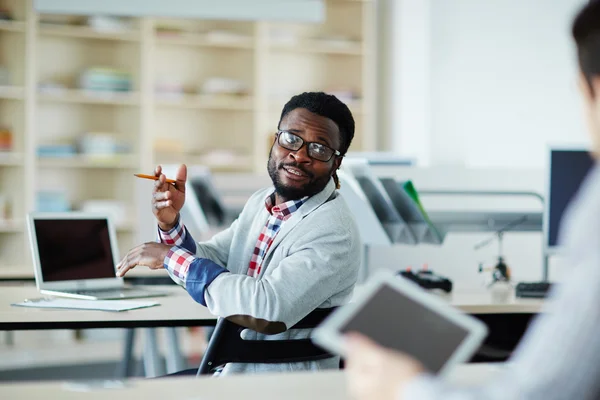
179	259
279	214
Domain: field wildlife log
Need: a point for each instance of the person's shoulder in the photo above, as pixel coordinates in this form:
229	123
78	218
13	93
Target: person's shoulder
336	212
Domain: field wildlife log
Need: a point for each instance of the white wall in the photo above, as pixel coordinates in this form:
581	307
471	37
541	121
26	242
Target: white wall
482	83
483	86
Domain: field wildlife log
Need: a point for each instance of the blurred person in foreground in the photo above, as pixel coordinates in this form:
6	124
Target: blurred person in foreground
295	246
559	357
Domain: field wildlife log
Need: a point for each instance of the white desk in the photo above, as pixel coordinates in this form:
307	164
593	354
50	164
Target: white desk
177	309
481	301
289	386
492	302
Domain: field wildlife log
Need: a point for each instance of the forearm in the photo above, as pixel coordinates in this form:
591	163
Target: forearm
191	272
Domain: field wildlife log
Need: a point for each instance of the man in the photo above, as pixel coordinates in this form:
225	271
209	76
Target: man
294	247
559	358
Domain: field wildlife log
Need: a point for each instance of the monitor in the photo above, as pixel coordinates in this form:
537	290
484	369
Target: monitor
567	168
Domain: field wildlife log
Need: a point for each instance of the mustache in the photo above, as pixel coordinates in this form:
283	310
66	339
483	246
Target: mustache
297	166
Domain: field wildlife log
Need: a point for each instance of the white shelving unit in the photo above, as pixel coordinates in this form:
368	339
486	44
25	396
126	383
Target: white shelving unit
83	32
85	97
226	132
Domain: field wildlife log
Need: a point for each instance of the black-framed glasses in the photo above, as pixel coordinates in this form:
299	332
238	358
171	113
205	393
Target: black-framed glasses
315	150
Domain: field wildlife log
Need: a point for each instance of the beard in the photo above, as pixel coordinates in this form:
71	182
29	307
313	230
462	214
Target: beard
286	192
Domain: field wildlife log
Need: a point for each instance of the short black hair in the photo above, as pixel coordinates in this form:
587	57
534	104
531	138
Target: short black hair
328	106
586	32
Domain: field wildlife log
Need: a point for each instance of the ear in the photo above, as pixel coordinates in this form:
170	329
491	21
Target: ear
337	163
596	87
587	88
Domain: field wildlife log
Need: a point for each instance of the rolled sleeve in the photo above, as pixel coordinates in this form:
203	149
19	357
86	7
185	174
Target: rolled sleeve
202	272
191	272
177	262
178	236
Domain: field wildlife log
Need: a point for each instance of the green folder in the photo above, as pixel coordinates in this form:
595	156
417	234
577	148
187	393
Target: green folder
435	234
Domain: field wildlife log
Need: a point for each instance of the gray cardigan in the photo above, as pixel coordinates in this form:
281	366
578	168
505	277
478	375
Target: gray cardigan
312	263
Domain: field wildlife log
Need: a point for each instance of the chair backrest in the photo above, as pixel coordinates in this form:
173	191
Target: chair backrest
226	345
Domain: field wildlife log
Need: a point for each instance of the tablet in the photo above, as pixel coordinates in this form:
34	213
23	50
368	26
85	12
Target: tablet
398	314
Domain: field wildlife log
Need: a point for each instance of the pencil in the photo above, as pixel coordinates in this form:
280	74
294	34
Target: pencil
154	178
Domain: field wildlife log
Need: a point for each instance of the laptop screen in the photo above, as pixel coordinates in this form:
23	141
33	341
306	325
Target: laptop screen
74	249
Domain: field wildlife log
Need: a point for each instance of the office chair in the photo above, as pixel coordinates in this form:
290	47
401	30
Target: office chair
226	345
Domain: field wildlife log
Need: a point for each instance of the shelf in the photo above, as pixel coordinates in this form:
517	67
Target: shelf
84	32
90	97
11	158
12	226
355	106
207	102
12	26
126	226
238	163
16	272
319	47
18	226
45	103
12	92
242	166
196	40
82	161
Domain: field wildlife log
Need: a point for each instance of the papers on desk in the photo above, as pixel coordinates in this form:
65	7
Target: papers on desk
99	305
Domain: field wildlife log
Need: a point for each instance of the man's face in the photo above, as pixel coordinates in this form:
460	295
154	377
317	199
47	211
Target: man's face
592	110
294	173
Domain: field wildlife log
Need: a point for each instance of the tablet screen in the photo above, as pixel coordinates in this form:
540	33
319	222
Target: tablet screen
398	322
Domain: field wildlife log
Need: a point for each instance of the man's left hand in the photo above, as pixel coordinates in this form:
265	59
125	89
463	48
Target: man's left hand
375	372
151	255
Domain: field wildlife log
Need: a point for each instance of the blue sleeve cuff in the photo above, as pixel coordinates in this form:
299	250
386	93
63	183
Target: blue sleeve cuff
188	242
201	274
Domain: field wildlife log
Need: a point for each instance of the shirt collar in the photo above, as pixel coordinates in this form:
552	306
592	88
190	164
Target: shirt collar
284	210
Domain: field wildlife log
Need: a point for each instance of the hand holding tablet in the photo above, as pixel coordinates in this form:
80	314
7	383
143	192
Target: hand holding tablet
397	314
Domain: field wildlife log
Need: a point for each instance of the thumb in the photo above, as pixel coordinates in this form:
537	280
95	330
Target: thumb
181	177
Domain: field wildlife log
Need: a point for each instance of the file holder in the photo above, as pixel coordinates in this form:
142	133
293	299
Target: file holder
368	187
371	230
406	201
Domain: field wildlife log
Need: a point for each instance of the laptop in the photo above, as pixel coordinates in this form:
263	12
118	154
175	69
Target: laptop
75	255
